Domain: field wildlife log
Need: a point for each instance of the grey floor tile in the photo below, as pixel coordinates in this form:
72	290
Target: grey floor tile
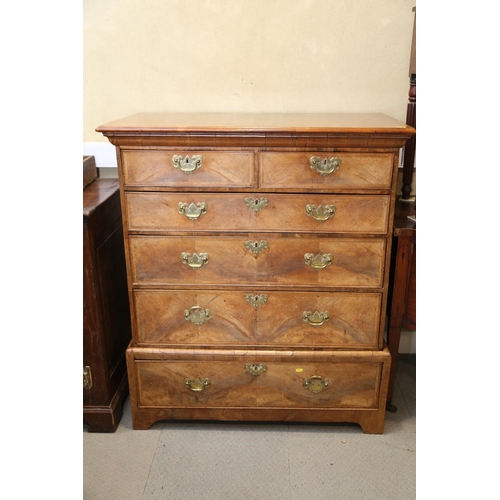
116	465
200	461
349	465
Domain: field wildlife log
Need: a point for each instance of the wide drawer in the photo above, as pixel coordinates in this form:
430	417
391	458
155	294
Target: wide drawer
160	168
218	317
150	211
257	259
335	171
249	379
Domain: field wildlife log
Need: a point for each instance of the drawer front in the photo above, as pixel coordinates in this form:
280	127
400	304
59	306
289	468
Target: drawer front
227	260
355	171
158	168
269	212
308	319
244	383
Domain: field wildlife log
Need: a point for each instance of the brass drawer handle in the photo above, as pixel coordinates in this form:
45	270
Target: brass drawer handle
316	384
194	261
321	213
197	384
192	211
319	261
316	318
255	204
197	315
325	166
256	370
256	247
187	165
256	300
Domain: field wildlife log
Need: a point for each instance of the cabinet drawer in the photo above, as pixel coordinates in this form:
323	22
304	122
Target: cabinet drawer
248	379
274	318
157	168
227	260
355	171
270	212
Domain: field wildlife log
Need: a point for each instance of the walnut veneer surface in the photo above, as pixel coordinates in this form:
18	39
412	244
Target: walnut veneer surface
257	250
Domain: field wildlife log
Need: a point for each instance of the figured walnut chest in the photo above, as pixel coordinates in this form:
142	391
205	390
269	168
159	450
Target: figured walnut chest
257	250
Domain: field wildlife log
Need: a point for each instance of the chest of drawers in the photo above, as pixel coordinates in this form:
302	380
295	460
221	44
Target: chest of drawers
257	250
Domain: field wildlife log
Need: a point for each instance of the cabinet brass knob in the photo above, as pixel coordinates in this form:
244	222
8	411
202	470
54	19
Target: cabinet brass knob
325	166
319	261
194	261
316	384
187	165
197	315
316	318
192	211
197	384
321	213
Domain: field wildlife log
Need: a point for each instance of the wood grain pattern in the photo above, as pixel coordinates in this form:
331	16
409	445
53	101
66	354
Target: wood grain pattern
158	212
357	171
354	319
357	394
258	155
156	168
356	262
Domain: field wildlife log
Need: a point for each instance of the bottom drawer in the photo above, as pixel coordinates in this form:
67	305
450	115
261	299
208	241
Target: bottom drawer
201	384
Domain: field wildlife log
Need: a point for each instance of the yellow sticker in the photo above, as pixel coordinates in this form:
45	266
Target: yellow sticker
299	370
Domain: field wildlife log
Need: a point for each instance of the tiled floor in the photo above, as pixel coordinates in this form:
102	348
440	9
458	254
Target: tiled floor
248	461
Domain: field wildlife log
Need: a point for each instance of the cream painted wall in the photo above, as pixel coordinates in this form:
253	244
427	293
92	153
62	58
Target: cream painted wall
244	55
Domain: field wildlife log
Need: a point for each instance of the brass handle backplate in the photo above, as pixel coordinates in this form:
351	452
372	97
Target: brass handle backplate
321	213
256	247
187	165
197	384
255	204
319	261
192	211
197	315
256	370
316	318
194	261
316	384
325	166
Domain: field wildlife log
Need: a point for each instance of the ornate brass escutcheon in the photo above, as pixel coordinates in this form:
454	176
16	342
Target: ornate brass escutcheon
255	204
256	300
187	165
197	315
321	213
325	166
319	261
192	211
316	384
194	261
255	370
316	318
197	384
256	246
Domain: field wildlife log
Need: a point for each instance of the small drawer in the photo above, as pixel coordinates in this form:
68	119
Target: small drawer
326	171
274	318
247	379
160	168
257	259
157	212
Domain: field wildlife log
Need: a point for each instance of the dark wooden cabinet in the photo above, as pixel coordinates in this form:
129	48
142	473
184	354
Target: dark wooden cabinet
106	315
